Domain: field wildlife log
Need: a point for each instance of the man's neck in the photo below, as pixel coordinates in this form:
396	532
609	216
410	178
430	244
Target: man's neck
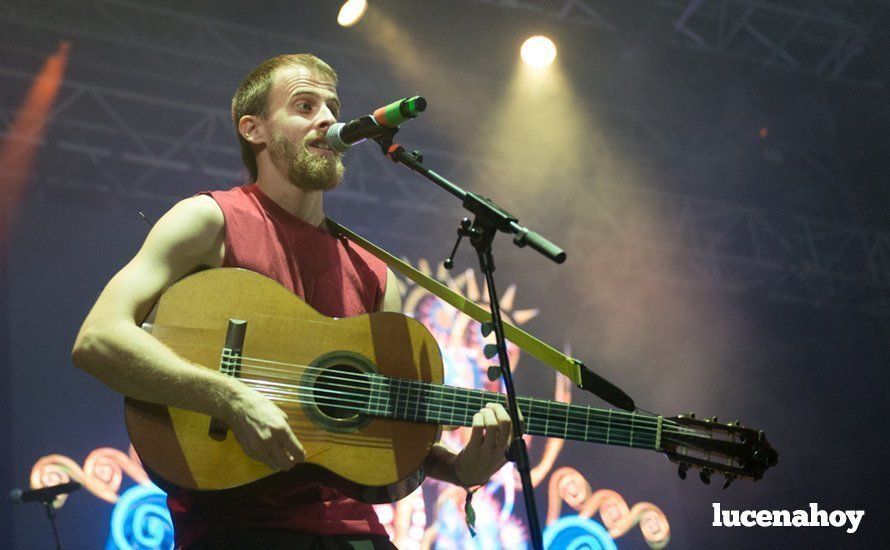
306	205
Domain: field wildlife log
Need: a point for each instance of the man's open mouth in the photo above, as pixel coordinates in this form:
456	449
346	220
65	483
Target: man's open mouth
322	145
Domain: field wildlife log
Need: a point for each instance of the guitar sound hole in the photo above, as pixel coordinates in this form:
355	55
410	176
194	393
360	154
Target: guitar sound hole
341	391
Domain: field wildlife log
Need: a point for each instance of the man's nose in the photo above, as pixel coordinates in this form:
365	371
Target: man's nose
326	118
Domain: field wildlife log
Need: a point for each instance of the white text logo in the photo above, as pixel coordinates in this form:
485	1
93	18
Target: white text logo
785	518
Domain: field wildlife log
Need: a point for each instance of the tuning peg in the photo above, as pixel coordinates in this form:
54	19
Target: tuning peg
490	350
729	479
691	414
681	471
705	476
737	423
486	328
494	372
712	419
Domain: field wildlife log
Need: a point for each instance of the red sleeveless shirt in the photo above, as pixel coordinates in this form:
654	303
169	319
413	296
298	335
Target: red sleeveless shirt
338	279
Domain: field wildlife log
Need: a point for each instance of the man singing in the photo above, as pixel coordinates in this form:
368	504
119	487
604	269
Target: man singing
275	226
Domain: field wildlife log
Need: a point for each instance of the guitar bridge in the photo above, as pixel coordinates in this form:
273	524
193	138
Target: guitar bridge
229	365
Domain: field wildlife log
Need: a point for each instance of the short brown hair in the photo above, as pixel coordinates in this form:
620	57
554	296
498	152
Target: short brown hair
252	96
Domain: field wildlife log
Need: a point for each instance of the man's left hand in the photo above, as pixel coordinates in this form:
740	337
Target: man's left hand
485	452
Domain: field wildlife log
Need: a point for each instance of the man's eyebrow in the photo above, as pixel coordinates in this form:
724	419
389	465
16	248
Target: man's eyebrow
307	91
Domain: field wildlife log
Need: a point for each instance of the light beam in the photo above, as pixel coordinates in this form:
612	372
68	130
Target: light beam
18	149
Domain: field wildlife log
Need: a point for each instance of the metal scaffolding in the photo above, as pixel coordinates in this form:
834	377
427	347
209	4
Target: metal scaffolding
821	38
160	142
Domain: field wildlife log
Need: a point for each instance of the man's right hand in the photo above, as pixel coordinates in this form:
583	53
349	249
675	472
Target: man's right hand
262	430
112	347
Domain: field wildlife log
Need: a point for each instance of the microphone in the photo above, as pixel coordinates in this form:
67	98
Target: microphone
342	136
45	494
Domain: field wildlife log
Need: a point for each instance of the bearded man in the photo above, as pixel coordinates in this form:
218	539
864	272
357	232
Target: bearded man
275	226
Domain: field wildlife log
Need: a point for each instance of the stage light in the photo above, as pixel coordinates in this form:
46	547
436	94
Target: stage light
538	51
352	12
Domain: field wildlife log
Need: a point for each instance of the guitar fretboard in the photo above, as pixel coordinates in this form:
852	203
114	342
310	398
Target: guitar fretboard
417	401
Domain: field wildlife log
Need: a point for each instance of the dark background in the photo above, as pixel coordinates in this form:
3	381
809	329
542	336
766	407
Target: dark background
724	212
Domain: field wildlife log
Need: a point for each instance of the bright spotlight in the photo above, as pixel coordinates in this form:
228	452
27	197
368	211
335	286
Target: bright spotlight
538	51
352	12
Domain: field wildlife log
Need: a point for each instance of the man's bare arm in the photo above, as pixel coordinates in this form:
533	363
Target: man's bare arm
112	347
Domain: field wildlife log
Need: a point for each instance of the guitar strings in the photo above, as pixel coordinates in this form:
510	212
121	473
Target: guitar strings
612	425
614	437
573	433
635	419
440	387
465	413
723	466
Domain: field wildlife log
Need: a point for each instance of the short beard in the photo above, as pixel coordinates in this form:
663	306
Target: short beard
306	171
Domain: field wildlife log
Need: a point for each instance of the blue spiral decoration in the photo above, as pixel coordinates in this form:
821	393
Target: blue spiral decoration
577	533
140	520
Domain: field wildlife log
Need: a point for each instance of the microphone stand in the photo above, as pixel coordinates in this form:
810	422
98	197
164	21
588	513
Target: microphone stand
489	219
46	496
51	514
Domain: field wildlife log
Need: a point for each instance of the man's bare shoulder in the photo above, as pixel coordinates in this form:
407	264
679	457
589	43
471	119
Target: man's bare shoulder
192	228
203	209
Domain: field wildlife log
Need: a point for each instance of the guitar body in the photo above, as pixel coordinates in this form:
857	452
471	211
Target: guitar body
286	340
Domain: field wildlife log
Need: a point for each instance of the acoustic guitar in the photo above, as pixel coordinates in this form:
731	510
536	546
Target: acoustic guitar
364	395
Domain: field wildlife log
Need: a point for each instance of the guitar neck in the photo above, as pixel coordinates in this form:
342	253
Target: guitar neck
416	401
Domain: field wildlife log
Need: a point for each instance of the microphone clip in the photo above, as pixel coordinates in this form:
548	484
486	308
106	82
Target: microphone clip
385	140
465	230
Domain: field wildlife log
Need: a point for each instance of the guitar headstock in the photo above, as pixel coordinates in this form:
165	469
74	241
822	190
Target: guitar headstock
709	446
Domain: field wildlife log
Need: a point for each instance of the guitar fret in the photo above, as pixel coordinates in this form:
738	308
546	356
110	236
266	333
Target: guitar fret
386	398
439	398
382	389
608	426
587	424
528	415
390	404
547	419
403	400
371	402
455	416
657	445
632	420
419	407
433	402
412	397
565	430
467	406
407	398
420	404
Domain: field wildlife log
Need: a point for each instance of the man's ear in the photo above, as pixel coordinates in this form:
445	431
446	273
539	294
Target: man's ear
250	128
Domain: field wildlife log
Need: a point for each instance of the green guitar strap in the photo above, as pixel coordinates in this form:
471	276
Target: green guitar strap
545	353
